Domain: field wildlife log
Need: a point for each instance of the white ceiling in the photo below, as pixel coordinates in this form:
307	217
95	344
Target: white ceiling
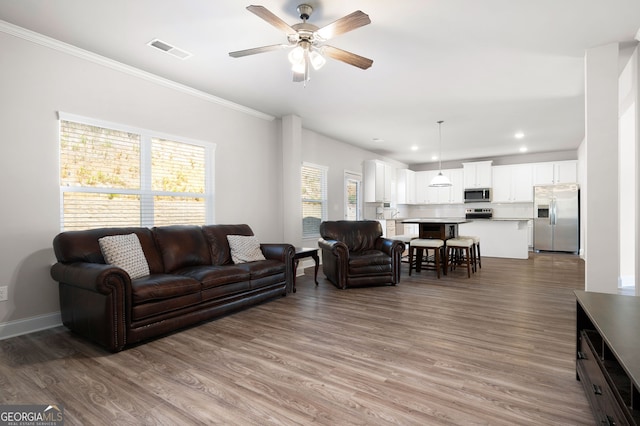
487	68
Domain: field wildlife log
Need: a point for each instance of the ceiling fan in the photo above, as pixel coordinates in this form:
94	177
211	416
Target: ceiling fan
306	41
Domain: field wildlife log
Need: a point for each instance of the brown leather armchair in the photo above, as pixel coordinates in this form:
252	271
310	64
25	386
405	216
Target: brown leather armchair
354	254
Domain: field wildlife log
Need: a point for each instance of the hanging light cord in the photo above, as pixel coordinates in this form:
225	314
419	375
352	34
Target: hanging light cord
440	144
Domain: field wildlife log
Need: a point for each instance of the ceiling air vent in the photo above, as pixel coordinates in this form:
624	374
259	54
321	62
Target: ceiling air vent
167	48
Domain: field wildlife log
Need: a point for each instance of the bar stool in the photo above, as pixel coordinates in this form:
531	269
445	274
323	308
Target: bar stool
477	259
459	250
406	239
425	244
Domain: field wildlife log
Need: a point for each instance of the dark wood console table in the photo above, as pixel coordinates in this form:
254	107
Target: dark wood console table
301	253
608	355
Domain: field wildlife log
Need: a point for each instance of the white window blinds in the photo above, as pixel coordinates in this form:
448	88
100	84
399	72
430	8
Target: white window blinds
113	177
314	199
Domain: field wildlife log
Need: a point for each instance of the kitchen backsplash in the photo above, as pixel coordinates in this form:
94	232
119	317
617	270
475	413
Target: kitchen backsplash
511	210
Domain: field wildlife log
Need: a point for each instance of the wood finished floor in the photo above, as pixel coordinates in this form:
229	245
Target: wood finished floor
496	349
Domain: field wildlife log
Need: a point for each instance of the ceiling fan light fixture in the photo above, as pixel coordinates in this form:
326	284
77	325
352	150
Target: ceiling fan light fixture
317	60
296	56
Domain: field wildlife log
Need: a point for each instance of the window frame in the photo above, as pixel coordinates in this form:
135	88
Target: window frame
350	176
145	192
324	174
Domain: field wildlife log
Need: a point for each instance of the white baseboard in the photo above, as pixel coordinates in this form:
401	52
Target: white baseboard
626	281
304	264
29	325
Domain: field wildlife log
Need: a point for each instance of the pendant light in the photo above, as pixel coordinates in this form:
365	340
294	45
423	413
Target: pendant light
440	180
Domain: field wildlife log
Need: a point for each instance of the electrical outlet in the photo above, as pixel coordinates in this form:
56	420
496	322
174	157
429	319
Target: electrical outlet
4	293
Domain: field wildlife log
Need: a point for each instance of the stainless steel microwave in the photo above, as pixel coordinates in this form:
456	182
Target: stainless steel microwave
477	195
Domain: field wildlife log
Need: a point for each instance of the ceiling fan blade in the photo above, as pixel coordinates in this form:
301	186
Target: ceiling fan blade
264	13
247	52
347	57
347	23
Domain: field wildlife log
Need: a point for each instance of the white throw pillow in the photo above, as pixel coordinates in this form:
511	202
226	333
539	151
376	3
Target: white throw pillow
244	248
125	252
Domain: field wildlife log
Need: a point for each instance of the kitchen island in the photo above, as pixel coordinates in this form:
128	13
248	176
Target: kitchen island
442	228
500	237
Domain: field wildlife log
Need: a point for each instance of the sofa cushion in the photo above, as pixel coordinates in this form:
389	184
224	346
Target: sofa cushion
214	276
369	262
162	286
244	248
125	252
265	272
181	246
216	235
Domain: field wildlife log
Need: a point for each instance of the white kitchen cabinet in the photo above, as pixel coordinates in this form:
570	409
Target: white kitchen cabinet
477	174
405	186
456	192
379	182
424	193
551	173
512	183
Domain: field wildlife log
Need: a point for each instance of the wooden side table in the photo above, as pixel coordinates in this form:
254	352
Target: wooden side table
301	253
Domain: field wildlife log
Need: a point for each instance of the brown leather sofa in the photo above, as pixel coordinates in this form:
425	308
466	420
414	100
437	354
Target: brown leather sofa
354	254
192	279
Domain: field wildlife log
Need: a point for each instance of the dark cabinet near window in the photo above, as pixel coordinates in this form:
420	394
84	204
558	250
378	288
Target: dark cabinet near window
608	355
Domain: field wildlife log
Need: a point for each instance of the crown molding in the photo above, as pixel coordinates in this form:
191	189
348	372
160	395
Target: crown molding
69	49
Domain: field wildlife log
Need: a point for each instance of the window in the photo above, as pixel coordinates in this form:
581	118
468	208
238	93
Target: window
314	199
116	176
352	196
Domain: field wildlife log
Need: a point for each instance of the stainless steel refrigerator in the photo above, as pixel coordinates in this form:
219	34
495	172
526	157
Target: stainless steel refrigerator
556	218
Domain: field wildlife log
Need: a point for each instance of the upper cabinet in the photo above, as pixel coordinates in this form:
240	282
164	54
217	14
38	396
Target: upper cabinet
406	186
477	174
426	194
455	193
555	172
513	183
379	182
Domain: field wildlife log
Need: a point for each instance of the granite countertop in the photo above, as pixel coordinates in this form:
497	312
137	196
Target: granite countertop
455	219
503	218
435	220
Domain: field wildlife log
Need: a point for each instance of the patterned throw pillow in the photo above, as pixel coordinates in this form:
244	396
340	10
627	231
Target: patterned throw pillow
125	252
244	248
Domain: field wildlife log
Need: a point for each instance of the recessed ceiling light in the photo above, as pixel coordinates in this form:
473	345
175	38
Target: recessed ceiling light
434	158
523	149
519	135
414	148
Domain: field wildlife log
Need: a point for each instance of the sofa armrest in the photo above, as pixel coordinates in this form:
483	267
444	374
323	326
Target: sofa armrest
394	249
94	301
389	246
278	251
335	247
91	276
284	253
335	261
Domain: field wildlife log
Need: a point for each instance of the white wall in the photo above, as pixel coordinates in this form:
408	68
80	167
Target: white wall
628	96
338	157
601	134
256	157
38	81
